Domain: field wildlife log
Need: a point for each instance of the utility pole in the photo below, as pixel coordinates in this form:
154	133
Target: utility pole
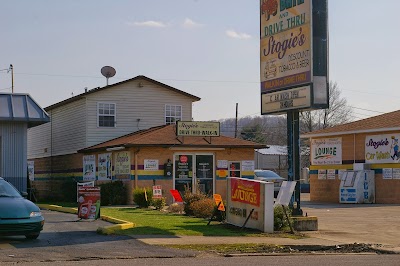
236	121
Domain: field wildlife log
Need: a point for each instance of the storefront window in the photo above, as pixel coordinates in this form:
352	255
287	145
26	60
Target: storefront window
234	169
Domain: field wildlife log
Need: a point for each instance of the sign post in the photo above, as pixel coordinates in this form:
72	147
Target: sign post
293	68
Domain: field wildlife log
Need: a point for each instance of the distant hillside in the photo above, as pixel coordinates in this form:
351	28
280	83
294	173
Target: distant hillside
274	127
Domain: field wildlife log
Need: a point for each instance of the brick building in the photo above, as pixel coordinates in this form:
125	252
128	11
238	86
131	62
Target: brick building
156	156
371	143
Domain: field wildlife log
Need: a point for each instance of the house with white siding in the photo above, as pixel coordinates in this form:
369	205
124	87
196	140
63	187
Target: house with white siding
96	116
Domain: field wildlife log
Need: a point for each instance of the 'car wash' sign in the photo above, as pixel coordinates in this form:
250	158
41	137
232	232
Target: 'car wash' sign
197	129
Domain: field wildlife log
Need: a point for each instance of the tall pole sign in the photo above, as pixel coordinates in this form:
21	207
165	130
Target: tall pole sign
293	67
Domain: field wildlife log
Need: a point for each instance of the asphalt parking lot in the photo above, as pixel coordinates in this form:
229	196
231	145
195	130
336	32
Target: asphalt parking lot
350	223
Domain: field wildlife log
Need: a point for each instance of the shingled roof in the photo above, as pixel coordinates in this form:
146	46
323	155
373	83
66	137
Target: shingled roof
165	136
385	122
140	77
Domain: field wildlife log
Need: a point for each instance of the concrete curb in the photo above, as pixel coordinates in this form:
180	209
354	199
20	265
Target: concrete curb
107	230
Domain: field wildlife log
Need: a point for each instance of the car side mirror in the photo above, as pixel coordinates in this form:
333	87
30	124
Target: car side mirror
24	194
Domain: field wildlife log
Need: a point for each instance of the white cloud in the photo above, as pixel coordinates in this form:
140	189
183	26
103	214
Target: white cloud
149	23
190	24
237	35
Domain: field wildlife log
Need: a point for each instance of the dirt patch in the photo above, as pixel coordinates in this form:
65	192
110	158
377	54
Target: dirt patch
346	248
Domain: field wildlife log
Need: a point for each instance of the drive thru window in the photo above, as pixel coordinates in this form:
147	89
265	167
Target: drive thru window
194	172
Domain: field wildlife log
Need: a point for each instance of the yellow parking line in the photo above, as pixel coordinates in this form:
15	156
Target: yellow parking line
6	246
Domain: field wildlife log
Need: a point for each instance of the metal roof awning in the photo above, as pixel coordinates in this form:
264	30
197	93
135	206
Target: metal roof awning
21	108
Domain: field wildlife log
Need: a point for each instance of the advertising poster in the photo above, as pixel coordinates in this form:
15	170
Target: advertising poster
331	174
222	164
387	173
396	173
247	165
285	44
327	151
150	165
234	169
321	174
245	191
382	149
31	170
205	166
104	171
123	163
88	202
183	166
89	167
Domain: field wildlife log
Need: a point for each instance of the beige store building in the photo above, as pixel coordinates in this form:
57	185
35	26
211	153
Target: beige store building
157	156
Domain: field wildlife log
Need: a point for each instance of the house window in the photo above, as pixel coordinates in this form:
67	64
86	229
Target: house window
173	113
106	114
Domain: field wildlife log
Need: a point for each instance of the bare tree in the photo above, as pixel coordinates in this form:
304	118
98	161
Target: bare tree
337	113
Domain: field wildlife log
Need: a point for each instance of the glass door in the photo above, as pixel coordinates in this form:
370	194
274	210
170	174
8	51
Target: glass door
194	172
183	172
205	173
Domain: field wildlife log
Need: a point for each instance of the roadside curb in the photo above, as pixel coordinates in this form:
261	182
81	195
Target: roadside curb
120	225
107	230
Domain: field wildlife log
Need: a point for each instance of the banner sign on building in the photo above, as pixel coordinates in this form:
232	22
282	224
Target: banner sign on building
327	151
104	171
150	165
197	129
123	163
248	166
245	191
382	148
89	167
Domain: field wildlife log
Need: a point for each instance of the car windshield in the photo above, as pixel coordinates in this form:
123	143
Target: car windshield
7	190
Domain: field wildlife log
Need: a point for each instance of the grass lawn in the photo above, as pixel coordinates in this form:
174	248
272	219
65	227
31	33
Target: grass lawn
153	222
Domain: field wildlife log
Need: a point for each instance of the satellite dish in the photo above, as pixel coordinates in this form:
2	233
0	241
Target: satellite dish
108	72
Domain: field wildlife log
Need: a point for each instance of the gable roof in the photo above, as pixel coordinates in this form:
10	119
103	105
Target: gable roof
140	77
385	122
165	136
20	107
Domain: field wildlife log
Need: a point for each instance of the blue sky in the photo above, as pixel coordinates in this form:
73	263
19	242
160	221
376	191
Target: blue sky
209	48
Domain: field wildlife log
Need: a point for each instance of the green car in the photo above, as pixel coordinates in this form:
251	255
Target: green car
18	216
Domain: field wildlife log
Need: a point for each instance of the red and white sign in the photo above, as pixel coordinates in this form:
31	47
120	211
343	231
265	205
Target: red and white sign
157	192
89	202
183	159
245	191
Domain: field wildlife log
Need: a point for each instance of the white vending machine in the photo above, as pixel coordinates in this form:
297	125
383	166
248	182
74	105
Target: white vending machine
357	187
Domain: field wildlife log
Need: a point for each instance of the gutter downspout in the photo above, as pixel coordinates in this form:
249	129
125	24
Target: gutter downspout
354	149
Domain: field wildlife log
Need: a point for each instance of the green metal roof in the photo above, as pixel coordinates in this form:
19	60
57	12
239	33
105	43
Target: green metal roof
19	107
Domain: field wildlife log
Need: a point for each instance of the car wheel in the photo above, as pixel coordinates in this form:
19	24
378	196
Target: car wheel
32	236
